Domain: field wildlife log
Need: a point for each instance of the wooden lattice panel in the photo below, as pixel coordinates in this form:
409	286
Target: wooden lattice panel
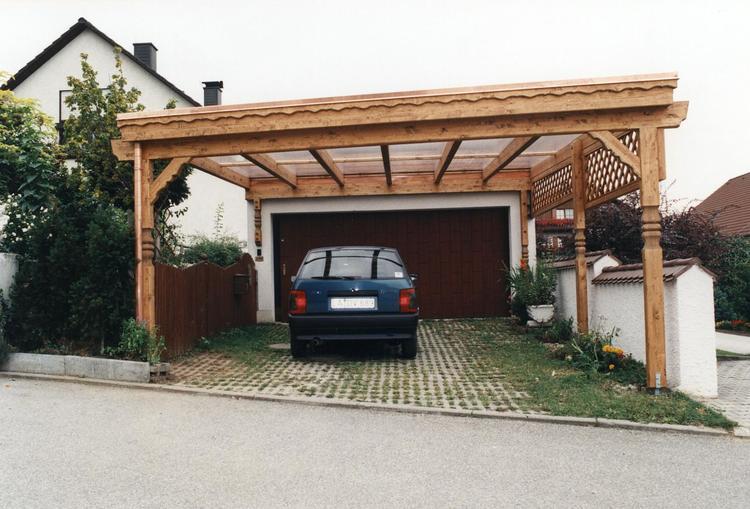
553	189
606	176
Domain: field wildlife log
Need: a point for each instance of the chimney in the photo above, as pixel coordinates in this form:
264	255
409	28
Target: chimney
212	92
146	53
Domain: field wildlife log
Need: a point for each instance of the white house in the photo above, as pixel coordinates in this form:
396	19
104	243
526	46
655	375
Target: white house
45	77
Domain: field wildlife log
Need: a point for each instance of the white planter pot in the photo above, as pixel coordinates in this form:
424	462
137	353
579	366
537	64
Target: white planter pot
541	314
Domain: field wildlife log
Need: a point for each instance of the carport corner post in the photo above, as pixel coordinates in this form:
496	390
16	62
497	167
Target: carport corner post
651	254
144	238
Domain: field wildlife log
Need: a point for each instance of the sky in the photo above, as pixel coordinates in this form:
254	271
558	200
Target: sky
275	50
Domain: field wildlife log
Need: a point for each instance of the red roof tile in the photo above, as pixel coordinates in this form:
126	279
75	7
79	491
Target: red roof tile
633	273
730	205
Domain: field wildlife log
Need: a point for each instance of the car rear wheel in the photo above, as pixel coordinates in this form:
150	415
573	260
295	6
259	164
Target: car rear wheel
298	347
409	348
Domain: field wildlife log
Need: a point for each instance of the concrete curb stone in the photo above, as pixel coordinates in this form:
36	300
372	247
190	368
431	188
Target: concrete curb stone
739	432
75	366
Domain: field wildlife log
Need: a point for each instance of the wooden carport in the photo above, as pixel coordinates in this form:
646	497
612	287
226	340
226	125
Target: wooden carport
606	134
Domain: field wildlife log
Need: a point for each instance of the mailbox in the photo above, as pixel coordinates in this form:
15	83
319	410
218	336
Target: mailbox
241	284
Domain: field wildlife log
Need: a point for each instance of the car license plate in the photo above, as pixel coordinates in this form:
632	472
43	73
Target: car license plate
352	302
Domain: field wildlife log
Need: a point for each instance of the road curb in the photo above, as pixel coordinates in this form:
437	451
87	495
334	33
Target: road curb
739	432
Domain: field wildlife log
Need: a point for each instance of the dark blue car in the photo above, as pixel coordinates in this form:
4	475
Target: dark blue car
353	293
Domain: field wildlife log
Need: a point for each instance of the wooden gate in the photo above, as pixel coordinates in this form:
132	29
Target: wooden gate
202	300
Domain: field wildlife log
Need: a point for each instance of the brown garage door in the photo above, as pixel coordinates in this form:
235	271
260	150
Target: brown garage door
458	254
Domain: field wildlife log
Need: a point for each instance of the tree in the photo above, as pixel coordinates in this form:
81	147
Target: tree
29	157
74	286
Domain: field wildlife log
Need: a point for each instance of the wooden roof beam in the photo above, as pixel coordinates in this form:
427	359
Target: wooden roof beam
167	175
622	152
449	151
217	170
268	164
386	163
510	152
326	161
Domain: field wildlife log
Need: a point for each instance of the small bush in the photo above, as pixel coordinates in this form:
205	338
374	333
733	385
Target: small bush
535	285
559	331
594	352
222	250
137	343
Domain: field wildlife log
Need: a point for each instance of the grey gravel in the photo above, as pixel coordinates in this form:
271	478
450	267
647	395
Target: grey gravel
75	445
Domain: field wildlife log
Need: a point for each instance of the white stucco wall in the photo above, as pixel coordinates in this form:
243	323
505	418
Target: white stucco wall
565	294
207	192
47	82
265	268
689	323
8	268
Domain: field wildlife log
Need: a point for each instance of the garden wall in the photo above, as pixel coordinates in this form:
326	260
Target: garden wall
203	299
8	268
616	301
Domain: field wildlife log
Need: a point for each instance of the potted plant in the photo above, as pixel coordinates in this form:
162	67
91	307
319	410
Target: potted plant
534	288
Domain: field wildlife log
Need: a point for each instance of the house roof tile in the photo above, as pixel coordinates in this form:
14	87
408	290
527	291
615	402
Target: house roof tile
730	206
633	273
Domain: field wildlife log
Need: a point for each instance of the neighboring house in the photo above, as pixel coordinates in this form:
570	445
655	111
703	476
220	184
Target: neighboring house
553	228
45	78
730	206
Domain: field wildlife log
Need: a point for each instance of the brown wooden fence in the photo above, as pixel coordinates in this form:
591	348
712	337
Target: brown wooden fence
202	300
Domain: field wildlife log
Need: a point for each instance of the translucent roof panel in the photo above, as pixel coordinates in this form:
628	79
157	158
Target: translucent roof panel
472	155
415	157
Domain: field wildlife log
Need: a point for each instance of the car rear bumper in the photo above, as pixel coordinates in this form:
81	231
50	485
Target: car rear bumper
354	327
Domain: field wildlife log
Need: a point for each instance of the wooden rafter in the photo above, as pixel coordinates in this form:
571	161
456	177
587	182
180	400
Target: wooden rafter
327	163
449	151
623	153
167	175
226	174
385	153
510	152
268	164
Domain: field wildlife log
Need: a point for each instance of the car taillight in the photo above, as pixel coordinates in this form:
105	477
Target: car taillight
297	302
407	300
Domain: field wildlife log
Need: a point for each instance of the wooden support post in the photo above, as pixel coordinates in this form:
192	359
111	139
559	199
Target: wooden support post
579	224
653	269
146	285
138	221
524	213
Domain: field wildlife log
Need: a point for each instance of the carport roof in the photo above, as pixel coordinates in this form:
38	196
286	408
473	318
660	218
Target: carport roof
487	138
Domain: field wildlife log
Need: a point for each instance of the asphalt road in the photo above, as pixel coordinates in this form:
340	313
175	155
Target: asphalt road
75	445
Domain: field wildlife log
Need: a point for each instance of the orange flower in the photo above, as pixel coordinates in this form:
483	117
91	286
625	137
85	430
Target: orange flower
611	367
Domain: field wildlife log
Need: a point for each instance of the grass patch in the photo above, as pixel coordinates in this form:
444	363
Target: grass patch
556	387
726	355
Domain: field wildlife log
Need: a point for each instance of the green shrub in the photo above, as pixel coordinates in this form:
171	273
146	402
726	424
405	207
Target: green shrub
222	250
732	291
559	331
531	286
74	281
137	343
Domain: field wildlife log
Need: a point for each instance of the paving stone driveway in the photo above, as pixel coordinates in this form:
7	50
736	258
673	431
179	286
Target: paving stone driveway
734	391
450	371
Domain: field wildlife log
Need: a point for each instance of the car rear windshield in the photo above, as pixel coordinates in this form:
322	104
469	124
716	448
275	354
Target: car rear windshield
352	264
